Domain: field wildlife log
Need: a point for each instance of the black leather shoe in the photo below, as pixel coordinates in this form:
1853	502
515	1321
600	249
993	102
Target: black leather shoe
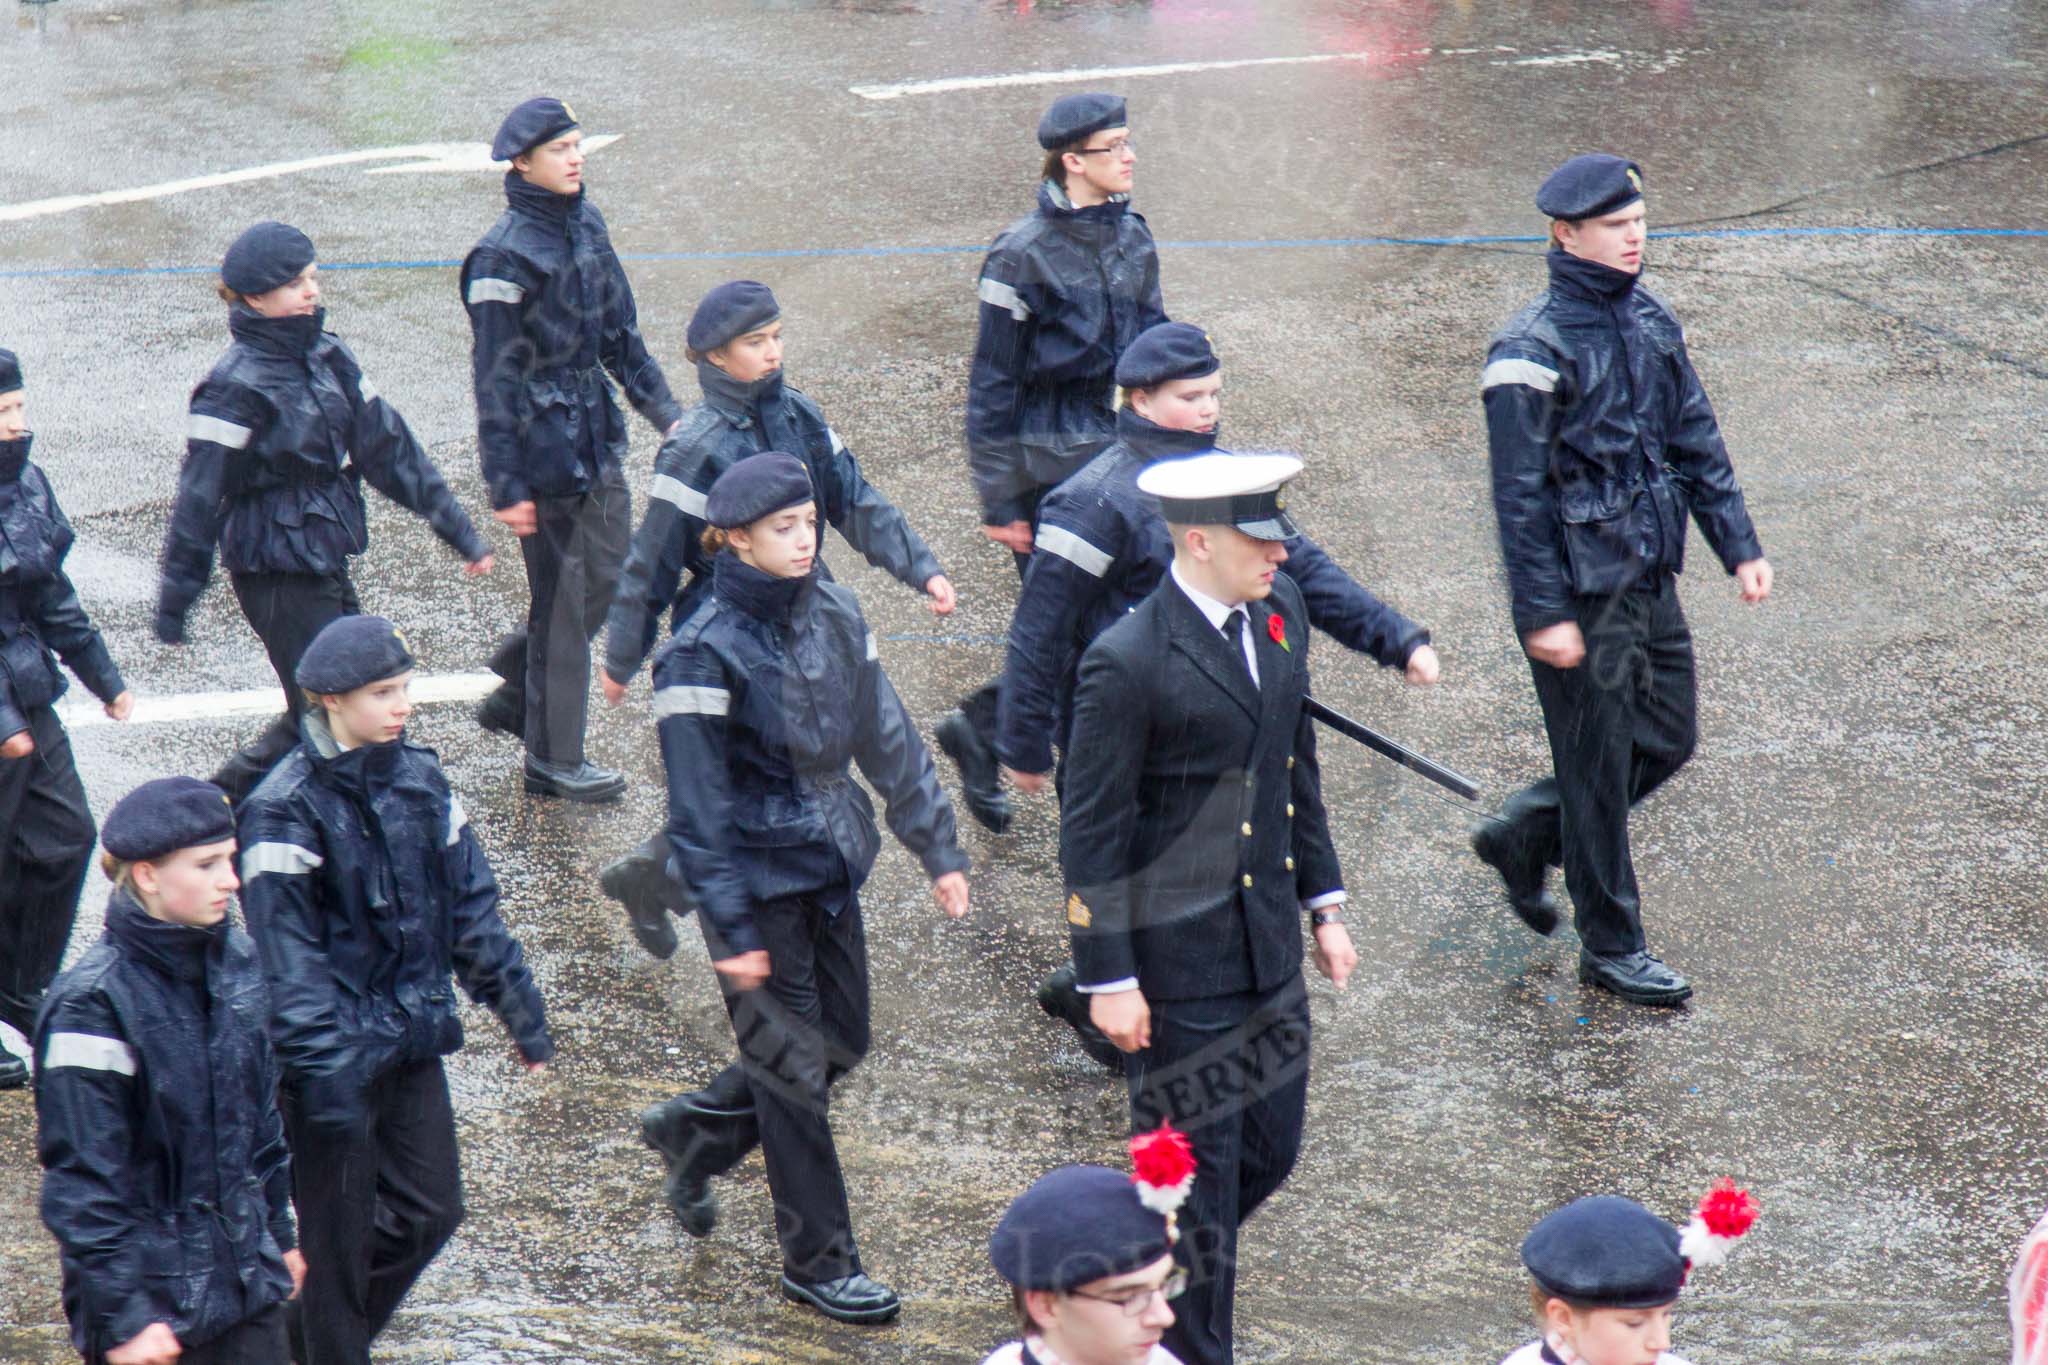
690	1199
1059	997
13	1071
640	883
1637	977
850	1298
670	1128
583	781
1526	894
502	712
981	781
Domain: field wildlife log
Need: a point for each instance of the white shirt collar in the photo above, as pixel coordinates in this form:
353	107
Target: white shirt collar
1216	611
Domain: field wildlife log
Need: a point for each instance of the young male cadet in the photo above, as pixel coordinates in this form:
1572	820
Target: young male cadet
1602	439
1192	840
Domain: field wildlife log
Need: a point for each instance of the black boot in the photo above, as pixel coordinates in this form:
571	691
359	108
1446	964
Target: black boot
639	882
503	711
1636	977
671	1129
13	1071
1059	997
850	1298
1495	842
981	781
585	781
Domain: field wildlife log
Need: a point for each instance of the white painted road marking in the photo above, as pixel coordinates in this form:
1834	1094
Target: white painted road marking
77	712
1497	56
423	156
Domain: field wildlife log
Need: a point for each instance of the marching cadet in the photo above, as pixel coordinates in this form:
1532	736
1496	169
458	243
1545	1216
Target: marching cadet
1103	548
1605	1274
165	1176
735	341
551	312
1602	439
365	887
48	843
1192	841
1088	1255
281	436
1063	292
766	696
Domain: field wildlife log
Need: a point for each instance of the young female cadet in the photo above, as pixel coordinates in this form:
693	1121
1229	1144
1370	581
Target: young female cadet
165	1178
49	831
282	434
735	340
766	696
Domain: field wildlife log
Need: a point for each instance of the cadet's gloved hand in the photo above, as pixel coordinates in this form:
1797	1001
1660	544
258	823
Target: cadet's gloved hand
170	629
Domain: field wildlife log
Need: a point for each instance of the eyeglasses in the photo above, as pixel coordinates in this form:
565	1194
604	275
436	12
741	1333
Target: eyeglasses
1120	146
1135	1302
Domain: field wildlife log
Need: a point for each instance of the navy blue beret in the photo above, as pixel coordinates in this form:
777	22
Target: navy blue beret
734	309
532	123
1169	350
1073	117
1588	186
10	371
352	652
1606	1252
757	486
264	257
1076	1225
165	815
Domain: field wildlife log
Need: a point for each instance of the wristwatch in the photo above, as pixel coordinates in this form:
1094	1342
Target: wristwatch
1319	918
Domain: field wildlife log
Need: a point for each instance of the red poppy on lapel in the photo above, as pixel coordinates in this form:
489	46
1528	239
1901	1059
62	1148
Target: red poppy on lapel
1276	631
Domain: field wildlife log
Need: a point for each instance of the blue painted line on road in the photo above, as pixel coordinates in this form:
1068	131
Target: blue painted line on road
1265	244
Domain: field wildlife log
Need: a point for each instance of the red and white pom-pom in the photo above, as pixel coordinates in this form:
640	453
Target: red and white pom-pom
2027	1292
1723	1216
1163	1165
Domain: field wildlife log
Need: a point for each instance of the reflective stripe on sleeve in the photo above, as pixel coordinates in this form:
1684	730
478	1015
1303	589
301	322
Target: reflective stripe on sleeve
691	701
1003	296
366	388
1519	372
457	818
287	859
674	490
88	1052
233	435
484	289
874	651
1073	549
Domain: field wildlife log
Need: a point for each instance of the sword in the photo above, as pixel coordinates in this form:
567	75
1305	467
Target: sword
1372	739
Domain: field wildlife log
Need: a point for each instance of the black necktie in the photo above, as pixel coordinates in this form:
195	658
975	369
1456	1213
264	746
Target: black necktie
1233	631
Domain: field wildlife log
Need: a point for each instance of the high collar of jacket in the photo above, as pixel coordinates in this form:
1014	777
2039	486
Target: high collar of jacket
180	951
724	392
1150	441
1099	219
1581	278
292	336
528	198
362	771
14	457
757	593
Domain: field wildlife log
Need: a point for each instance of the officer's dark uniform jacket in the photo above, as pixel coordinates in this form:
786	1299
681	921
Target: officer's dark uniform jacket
734	421
166	1180
763	697
550	312
1602	438
1102	549
1063	292
39	610
365	888
281	436
1193	828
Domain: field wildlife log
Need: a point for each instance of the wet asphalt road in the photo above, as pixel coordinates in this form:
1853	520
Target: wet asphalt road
1850	869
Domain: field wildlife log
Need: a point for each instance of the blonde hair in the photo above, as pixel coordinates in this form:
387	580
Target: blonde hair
714	539
118	871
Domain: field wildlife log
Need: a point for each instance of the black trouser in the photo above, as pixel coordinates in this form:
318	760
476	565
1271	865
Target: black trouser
979	706
1620	723
573	560
1230	1071
798	1033
44	852
286	610
376	1202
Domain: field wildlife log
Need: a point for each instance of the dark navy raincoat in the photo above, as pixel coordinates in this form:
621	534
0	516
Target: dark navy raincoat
39	610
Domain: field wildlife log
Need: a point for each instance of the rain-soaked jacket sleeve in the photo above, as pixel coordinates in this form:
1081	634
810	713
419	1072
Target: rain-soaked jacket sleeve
280	854
1341	607
625	354
995	390
494	292
892	757
692	702
1706	473
65	627
1099	819
872	524
391	459
270	1160
1061	585
219	427
488	960
12	719
662	550
1519	389
85	1133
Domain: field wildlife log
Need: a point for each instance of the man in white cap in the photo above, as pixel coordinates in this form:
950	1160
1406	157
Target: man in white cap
1192	837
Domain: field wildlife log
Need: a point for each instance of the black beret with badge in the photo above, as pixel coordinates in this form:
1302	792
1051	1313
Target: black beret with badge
1589	186
538	120
1074	117
266	256
165	815
352	652
1164	352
